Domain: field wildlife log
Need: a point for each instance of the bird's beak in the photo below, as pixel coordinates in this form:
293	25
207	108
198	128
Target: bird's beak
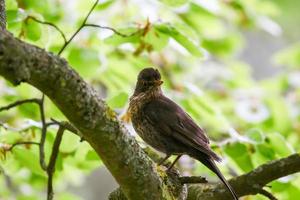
158	82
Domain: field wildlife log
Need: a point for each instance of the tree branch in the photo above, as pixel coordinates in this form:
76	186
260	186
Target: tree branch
8	182
131	167
248	184
192	179
266	194
20	102
40	103
67	126
53	157
43	135
113	30
2	15
49	24
21	143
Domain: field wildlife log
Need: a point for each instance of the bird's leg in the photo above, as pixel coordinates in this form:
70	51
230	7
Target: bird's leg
163	160
169	168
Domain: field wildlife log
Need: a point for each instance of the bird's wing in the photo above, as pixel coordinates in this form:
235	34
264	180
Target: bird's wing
170	119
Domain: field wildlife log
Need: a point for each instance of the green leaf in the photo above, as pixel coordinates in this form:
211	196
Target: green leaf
105	5
28	197
255	135
266	151
9	137
118	101
92	155
29	159
32	30
67	196
171	31
279	144
84	60
206	23
69	143
174	3
280	115
288	190
116	39
29	110
13	16
11	5
59	163
223	47
240	154
157	40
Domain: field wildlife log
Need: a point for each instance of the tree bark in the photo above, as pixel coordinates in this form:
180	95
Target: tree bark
2	14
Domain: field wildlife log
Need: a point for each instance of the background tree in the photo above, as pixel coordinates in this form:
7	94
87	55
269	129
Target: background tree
195	44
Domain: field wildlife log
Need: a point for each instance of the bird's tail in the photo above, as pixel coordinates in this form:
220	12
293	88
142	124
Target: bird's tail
208	162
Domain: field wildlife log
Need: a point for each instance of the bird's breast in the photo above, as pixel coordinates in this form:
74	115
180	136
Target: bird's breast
143	127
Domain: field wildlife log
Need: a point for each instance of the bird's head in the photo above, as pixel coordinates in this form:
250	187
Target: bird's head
148	79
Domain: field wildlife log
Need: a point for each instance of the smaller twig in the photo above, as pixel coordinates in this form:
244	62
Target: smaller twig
43	135
40	103
80	27
49	24
21	143
25	128
84	24
113	30
67	126
50	124
8	181
4	126
53	157
266	194
192	179
20	102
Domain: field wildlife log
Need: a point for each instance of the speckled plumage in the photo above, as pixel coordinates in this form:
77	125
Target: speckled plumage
145	130
165	126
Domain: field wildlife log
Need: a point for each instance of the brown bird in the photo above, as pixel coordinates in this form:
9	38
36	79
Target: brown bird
167	127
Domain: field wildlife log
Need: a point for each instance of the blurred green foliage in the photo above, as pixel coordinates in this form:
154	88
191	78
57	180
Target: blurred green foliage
194	43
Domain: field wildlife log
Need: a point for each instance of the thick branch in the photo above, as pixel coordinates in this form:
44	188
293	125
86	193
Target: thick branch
250	183
2	14
131	167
